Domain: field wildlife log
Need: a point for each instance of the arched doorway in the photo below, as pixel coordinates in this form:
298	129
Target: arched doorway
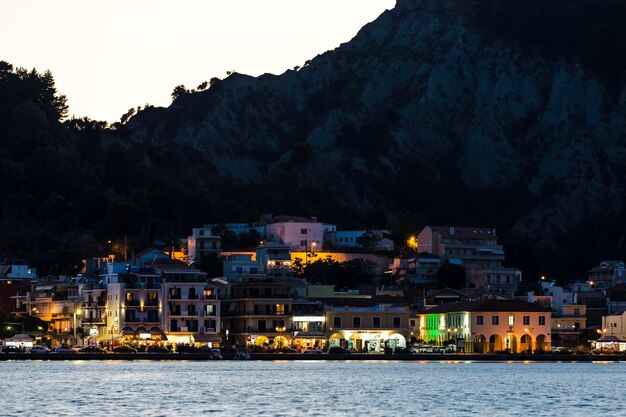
261	341
280	342
480	343
541	343
495	343
396	340
526	343
355	342
511	342
336	339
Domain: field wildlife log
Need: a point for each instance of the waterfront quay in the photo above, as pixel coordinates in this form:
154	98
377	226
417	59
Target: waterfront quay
316	357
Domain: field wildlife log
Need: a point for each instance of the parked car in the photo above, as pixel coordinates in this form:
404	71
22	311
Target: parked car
92	349
336	350
11	349
215	354
39	350
64	349
228	349
158	349
242	354
312	350
124	349
401	351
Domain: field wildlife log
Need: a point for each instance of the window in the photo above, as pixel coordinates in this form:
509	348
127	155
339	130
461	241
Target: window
304	243
209	310
208	292
542	320
303	231
412	323
337	322
577	311
356	322
511	320
526	320
495	320
280	309
129	296
479	320
376	322
201	232
396	322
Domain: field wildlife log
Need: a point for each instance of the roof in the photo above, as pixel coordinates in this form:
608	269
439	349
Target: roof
490	306
464	232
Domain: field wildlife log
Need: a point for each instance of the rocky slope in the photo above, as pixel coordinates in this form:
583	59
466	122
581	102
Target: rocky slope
423	102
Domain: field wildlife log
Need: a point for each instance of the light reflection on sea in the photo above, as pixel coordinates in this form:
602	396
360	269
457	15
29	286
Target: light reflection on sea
317	388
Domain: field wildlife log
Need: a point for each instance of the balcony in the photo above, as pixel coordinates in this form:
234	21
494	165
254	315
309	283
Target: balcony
151	303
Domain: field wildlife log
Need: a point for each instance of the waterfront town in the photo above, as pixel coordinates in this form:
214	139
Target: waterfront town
305	286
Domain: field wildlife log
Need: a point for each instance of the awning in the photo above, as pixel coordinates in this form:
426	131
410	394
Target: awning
21	338
105	338
44	288
609	338
206	338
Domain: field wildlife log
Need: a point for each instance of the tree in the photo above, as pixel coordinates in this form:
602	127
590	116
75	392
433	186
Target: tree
179	91
367	241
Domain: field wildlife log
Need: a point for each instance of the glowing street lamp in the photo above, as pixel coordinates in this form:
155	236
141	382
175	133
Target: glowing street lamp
76	312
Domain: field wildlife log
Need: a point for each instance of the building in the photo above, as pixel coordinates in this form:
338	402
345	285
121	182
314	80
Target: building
192	307
59	304
475	248
488	325
374	240
203	243
369	328
297	233
607	274
420	269
257	306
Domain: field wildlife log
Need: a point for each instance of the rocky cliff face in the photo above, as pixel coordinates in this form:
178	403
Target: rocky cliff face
422	86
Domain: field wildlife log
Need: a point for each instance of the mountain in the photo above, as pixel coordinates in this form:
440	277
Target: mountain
508	114
431	102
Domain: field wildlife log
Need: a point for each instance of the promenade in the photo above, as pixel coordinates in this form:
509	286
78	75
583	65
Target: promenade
317	357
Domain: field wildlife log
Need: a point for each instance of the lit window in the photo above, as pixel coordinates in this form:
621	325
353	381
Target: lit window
511	320
280	309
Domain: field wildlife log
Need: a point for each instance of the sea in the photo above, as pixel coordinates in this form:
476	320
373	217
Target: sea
311	388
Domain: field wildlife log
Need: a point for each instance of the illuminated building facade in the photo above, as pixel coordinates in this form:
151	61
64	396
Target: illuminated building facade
488	326
368	328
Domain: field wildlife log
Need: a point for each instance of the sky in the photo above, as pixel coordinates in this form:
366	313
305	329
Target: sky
109	56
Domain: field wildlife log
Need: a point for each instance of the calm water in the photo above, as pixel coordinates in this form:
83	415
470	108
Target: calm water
311	388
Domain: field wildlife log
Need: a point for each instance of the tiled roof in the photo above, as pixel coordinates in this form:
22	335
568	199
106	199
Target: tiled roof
489	306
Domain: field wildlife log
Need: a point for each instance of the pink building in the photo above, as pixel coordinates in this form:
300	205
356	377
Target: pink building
489	326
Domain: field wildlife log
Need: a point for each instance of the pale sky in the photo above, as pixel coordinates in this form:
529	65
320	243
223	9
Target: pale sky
108	56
